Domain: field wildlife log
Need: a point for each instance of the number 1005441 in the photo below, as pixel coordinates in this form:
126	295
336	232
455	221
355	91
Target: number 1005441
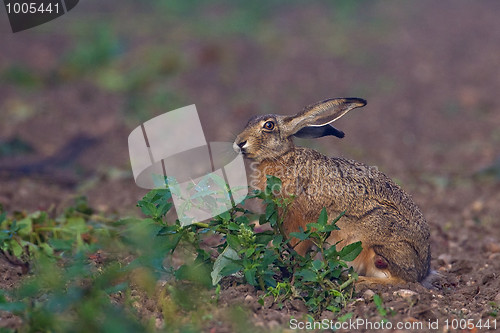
32	7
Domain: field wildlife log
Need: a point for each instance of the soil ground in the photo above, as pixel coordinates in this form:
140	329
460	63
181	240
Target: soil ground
429	70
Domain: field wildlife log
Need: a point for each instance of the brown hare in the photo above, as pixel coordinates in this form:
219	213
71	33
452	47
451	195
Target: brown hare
393	231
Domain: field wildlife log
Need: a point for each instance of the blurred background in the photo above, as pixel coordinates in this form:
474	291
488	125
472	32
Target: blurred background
72	90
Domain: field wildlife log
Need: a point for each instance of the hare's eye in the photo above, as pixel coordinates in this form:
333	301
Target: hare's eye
269	125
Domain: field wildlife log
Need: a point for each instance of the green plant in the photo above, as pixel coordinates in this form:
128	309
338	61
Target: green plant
97	49
68	286
379	304
25	236
14	146
21	76
382	310
264	256
494	309
84	272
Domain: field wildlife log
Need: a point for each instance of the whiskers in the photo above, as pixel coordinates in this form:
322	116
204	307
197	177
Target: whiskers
229	135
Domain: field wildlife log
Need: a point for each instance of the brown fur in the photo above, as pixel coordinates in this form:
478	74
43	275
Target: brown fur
377	211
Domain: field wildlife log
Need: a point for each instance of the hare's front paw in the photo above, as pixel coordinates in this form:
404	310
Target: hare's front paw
370	281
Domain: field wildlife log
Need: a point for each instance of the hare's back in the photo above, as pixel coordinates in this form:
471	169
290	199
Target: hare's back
344	184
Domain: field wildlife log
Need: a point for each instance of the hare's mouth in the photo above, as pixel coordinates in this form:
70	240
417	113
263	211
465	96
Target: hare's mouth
244	151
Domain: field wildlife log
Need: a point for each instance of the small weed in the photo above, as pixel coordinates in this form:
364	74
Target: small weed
98	49
21	76
495	308
14	147
382	310
28	235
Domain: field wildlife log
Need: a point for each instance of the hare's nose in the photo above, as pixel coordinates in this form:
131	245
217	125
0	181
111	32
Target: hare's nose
240	147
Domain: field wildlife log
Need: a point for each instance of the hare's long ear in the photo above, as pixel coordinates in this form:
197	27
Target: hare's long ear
320	114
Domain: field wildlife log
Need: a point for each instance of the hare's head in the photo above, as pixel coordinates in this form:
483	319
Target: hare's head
269	136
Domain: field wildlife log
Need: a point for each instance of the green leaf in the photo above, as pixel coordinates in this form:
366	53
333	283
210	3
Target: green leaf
227	257
203	255
60	244
80	244
195	272
204	194
5	235
13	307
307	275
173	241
156	196
269	257
233	241
333	309
379	304
331	252
225	216
300	235
233	226
47	249
25	227
164	194
250	276
17	250
39	217
317	226
273	185
14	227
77	224
323	217
221	183
350	252
271	213
330	228
147	208
335	273
249	252
168	230
269	280
277	240
163	208
263	239
242	219
230	268
317	264
116	288
3	216
345	317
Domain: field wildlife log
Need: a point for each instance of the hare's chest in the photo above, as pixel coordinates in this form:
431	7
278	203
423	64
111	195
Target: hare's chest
291	179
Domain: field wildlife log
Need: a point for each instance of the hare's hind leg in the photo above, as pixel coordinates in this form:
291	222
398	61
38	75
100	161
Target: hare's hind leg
294	222
302	247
